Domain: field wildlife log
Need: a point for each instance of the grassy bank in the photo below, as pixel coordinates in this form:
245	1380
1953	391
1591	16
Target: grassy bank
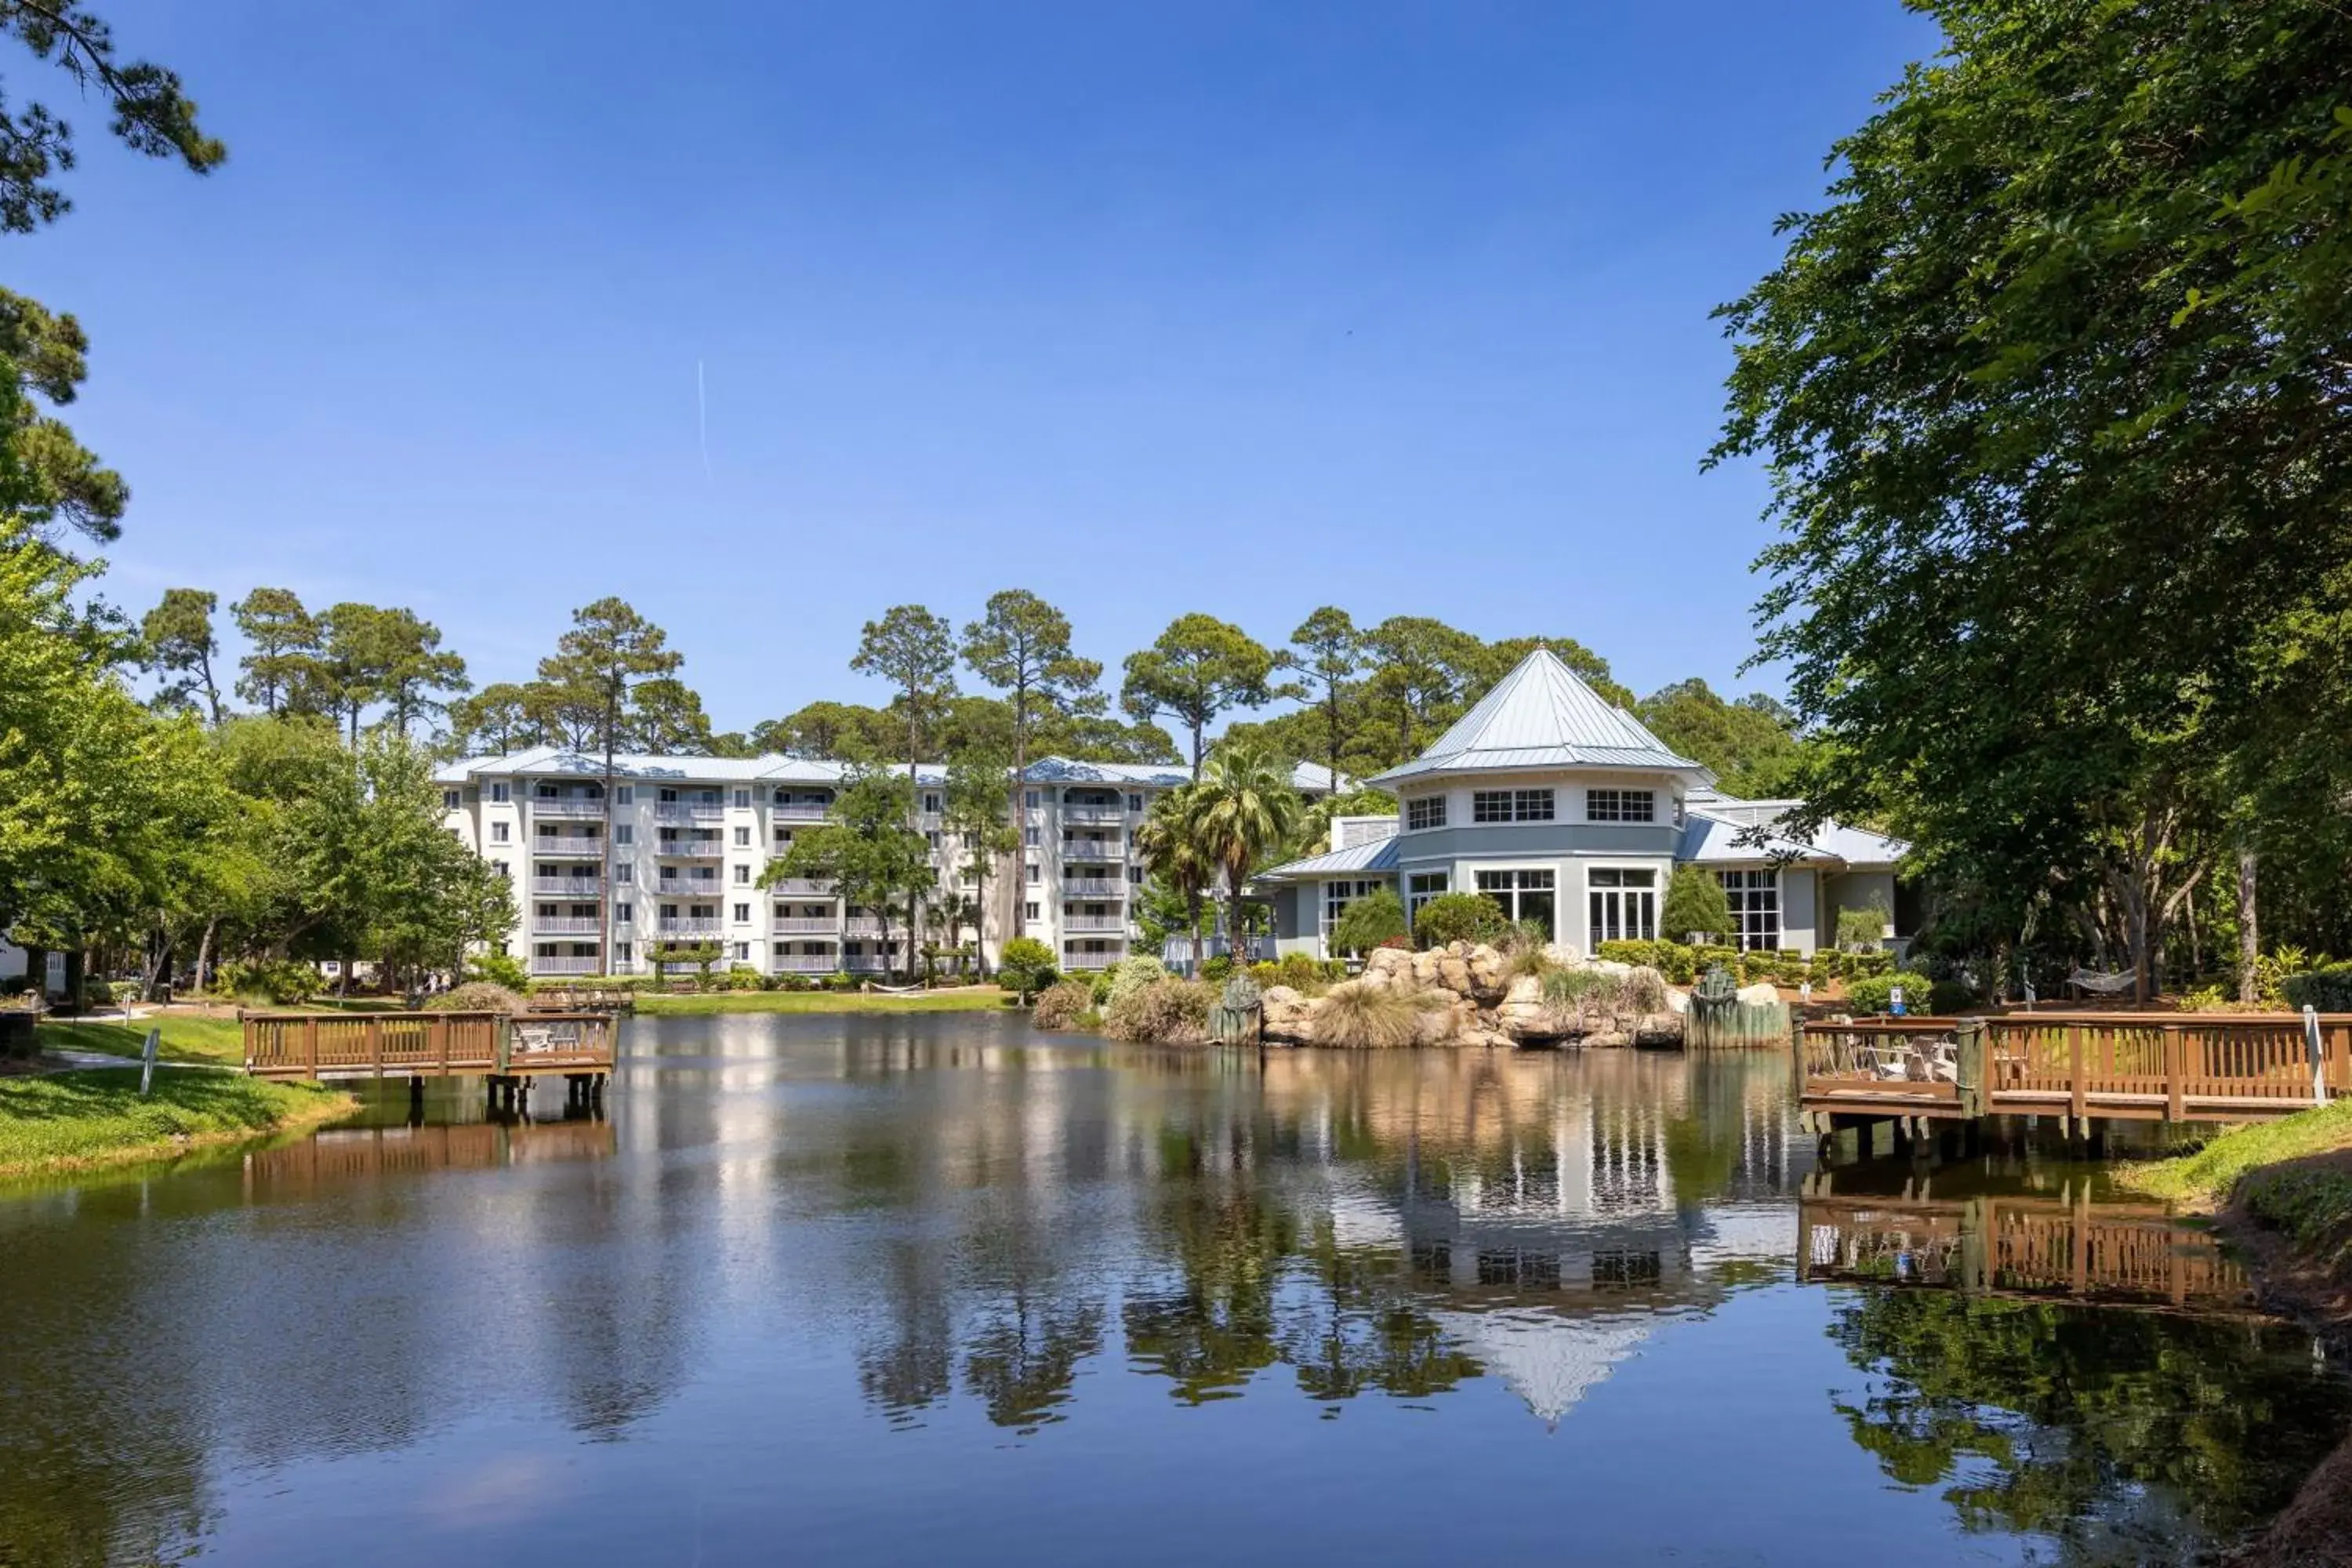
962	999
2293	1176
187	1038
79	1120
2207	1175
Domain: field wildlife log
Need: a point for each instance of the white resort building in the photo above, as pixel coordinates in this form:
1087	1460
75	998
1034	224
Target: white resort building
677	854
1564	810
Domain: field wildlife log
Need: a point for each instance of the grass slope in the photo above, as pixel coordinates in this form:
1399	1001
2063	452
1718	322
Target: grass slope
963	999
2208	1174
187	1038
66	1120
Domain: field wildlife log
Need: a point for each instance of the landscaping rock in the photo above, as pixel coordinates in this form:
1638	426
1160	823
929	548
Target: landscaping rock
1658	1029
1387	966
1289	1017
1677	1001
1759	993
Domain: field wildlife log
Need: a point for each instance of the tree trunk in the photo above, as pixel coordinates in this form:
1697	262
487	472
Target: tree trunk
2250	941
1019	797
204	949
1196	751
37	974
1193	907
77	963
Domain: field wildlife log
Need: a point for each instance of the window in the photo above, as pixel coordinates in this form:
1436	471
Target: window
1030	911
624	833
742	797
625	794
742	838
624	914
498	791
626	872
621	951
1621	805
931	802
668	797
1338	895
1624	905
1135	803
1030	800
1755	901
1036	873
1522	896
1510	805
932	838
547	792
1029	835
498	833
1135	875
742	914
1679	816
499	866
1429	811
743	950
451	800
1421	887
742	875
783	838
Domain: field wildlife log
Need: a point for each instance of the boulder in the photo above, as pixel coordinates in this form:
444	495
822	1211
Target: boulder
1454	972
1608	966
1677	1001
1657	1029
1442	1025
1289	1017
1425	969
1481	1035
1522	1014
1607	1039
1387	963
1759	993
1489	976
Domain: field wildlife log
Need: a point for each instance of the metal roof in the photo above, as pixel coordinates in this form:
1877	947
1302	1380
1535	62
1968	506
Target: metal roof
553	761
1542	716
1712	840
1379	855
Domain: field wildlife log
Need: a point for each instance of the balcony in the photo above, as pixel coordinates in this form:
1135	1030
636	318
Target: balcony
566	965
1090	960
690	850
690	811
567	805
804	963
678	926
1089	851
566	925
568	846
800	811
865	963
1091	923
862	925
1112	814
1094	887
803	888
589	887
802	925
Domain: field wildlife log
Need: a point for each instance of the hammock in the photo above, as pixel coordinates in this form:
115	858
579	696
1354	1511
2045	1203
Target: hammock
2105	984
896	990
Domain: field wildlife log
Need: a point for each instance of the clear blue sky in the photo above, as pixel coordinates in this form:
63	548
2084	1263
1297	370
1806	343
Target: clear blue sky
1235	308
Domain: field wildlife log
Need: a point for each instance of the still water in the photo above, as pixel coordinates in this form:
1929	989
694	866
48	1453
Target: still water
868	1290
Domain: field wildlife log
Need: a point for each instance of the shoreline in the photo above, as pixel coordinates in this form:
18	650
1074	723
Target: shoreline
92	1119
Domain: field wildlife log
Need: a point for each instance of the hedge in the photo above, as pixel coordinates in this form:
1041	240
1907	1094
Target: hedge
2328	988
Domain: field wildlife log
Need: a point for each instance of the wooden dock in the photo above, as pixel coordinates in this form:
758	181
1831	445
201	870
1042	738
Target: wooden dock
508	1052
2079	1066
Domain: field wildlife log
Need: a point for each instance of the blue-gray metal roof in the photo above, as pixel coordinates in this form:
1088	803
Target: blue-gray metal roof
555	761
1541	716
1711	840
1356	859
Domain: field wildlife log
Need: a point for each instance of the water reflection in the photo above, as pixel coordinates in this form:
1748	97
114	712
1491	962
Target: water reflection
845	1249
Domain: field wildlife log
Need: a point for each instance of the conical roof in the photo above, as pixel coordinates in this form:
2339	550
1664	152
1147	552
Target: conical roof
1542	716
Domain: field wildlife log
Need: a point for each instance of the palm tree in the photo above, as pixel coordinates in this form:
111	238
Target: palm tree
1166	841
1242	810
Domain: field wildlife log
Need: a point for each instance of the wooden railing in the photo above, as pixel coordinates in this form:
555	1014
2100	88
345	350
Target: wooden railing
423	1045
2178	1066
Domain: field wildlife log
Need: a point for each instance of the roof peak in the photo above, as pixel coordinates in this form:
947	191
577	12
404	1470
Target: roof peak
1543	714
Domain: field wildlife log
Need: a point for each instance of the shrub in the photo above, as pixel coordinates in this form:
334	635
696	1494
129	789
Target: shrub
1214	968
1458	917
279	980
1131	973
2328	988
1266	972
1695	904
1305	974
1098	988
1946	997
476	996
1874	993
1062	1004
1167	1009
1368	921
1678	962
1643	991
1026	966
742	977
498	969
1861	930
1358	1016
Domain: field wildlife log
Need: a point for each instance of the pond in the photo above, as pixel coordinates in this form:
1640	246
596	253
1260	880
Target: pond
875	1289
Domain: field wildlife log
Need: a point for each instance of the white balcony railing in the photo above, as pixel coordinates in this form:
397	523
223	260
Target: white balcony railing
802	925
681	927
800	811
568	846
690	850
804	963
571	807
1087	851
1090	960
1095	923
862	925
690	811
1094	887
589	887
1110	814
566	965
865	963
803	888
566	925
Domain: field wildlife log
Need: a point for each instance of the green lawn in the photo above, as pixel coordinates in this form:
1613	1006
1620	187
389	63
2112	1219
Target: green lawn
187	1038
963	999
2208	1174
70	1119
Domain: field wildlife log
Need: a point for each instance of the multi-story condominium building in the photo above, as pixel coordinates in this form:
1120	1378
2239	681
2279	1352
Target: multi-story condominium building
1565	811
678	852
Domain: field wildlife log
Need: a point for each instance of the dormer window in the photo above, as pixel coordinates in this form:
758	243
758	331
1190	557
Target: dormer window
1427	810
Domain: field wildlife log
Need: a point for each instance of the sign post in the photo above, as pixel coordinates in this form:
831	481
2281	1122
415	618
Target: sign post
147	1061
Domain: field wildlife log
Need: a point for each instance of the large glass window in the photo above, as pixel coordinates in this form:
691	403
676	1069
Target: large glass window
1523	896
1429	811
1755	901
1338	895
1511	805
1421	887
1623	905
1621	805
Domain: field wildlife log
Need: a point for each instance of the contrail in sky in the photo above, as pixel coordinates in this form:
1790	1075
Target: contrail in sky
702	421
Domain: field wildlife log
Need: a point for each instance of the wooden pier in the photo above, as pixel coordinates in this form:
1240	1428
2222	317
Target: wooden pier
508	1052
2079	1067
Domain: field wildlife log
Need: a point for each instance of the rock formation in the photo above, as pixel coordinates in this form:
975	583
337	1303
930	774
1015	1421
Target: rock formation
1474	1000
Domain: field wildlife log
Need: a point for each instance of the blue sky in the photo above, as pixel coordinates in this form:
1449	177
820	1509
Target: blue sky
1151	308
